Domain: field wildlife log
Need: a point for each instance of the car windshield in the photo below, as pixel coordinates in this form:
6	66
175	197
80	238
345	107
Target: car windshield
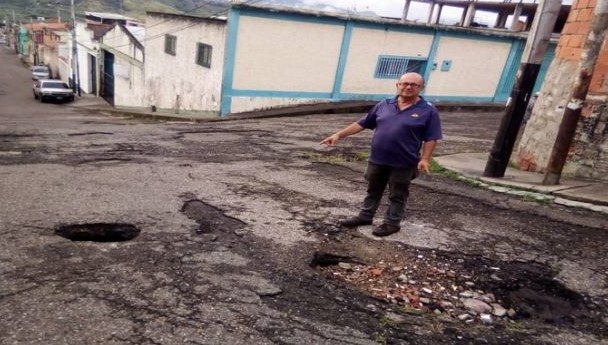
55	85
41	69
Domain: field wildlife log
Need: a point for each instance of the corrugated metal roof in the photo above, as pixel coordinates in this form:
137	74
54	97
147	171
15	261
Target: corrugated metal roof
138	32
107	15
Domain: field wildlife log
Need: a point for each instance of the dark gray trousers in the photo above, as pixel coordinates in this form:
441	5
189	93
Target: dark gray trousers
398	181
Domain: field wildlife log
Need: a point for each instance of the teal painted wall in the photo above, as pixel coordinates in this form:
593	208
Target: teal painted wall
502	92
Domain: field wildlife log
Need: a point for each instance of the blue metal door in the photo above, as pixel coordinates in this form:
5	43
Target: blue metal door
107	76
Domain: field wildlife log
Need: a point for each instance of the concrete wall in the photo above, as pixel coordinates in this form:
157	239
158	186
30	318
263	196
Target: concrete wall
476	66
588	155
363	57
176	82
86	46
129	84
285	57
278	55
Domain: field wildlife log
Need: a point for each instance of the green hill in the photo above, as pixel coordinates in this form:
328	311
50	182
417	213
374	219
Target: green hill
25	10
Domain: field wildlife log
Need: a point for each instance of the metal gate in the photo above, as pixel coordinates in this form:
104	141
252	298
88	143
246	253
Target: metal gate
93	74
108	77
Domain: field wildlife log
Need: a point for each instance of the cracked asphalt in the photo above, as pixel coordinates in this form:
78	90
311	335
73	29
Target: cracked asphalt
230	214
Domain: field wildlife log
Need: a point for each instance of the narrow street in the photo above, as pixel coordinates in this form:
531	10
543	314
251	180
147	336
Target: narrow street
129	231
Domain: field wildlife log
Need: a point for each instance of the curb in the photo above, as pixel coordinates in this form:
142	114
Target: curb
553	197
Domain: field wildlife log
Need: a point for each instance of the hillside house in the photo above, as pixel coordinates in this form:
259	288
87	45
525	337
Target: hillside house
43	42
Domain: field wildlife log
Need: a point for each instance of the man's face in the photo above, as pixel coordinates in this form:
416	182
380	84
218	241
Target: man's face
409	85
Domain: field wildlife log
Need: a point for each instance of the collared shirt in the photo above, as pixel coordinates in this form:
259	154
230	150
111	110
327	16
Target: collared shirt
399	134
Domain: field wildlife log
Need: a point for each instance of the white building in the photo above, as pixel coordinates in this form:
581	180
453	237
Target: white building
261	57
88	52
123	66
89	35
184	62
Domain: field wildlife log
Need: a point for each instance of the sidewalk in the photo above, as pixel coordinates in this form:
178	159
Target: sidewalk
590	194
573	192
98	103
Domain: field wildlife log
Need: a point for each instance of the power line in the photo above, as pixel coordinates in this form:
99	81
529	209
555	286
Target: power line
203	4
171	31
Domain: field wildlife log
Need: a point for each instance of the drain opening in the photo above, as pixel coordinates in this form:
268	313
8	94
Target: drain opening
98	232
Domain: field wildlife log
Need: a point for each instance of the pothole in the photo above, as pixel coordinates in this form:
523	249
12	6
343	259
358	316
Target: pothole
98	232
209	217
468	289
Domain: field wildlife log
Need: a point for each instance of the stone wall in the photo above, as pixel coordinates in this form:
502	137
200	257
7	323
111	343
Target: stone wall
588	156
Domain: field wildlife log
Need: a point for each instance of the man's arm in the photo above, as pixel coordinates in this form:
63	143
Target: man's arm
427	152
351	129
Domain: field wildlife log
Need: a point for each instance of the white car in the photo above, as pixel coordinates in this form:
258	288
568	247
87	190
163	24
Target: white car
55	89
40	72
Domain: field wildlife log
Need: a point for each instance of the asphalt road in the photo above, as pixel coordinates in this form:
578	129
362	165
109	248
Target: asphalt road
228	215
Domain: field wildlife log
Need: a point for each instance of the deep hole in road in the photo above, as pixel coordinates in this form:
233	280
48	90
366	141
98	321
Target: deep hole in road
98	232
528	289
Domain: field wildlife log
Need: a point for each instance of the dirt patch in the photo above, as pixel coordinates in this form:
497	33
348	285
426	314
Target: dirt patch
521	295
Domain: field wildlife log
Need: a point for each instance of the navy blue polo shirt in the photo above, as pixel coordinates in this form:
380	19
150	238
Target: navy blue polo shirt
399	135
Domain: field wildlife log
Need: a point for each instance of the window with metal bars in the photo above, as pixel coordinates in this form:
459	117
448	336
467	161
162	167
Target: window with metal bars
392	67
203	54
170	44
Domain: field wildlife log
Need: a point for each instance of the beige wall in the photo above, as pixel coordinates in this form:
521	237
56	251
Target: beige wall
244	104
363	57
282	55
476	67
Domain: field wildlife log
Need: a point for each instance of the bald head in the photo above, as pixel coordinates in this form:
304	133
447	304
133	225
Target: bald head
412	77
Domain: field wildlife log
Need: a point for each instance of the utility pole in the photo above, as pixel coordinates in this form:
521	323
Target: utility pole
567	127
532	58
406	9
74	53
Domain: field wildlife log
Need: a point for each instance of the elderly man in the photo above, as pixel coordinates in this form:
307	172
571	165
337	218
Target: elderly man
403	126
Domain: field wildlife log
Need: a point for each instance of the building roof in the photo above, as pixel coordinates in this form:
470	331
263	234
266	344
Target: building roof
99	29
109	16
138	32
377	19
186	16
36	26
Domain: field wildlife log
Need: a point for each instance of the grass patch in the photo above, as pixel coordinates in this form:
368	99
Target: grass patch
362	155
386	321
381	339
411	311
516	325
436	168
323	158
337	157
530	197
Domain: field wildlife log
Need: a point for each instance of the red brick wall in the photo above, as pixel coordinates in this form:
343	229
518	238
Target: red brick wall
575	31
573	38
588	155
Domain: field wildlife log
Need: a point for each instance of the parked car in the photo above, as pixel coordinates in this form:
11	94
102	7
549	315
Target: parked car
55	89
40	72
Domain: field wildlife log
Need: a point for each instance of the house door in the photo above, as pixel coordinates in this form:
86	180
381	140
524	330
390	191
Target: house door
108	77
93	74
